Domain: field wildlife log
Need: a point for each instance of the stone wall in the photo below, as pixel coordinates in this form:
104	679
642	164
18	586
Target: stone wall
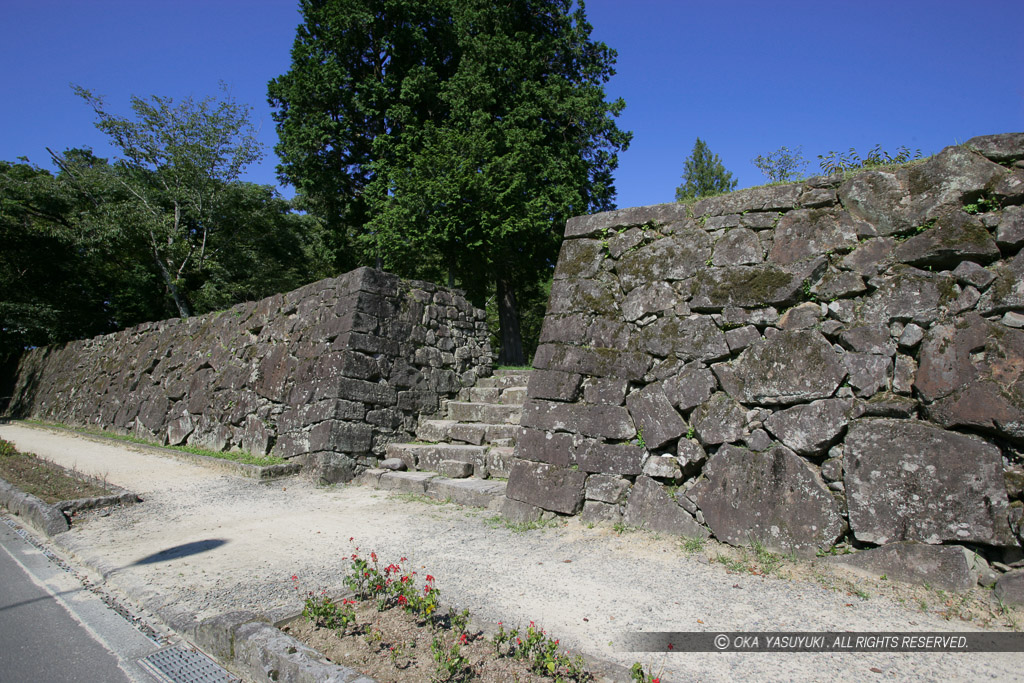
797	364
332	372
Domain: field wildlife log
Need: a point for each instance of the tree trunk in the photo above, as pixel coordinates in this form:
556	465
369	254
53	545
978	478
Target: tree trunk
179	300
508	322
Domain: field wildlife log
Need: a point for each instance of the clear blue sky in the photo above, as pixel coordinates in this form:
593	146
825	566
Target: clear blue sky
747	77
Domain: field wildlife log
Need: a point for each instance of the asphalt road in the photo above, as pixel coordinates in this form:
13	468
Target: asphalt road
54	630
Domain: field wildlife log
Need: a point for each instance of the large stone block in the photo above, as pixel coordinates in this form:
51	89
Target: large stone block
775	498
582	226
1007	291
689	339
338	436
806	233
879	198
790	367
557	448
647	299
677	257
813	428
950	179
690	386
650	507
603	421
745	286
906	294
955	237
739	247
911	481
1001	148
594	361
950	568
607	458
552	384
580	258
654	416
972	372
546	486
719	420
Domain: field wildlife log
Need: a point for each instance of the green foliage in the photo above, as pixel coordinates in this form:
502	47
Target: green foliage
167	229
176	162
326	613
982	205
693	544
838	162
450	140
782	165
704	175
638	675
451	664
533	645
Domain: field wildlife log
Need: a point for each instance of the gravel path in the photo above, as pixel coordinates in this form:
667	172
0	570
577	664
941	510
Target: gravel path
241	540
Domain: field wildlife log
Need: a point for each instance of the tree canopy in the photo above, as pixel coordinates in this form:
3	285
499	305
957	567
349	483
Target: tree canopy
450	139
168	229
704	175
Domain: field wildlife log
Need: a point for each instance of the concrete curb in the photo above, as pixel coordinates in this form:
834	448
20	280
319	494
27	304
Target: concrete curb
52	519
245	643
43	517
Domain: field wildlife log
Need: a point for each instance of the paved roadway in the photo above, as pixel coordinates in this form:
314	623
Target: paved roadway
54	630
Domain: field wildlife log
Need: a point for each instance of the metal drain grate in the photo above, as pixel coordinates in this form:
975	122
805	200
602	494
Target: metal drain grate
178	665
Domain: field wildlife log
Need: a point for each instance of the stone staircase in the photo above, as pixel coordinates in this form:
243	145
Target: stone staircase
465	455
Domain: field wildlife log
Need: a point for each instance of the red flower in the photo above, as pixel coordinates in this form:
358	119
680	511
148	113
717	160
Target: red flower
405	579
403	559
402	600
351	538
464	638
373	556
670	646
295	577
429	577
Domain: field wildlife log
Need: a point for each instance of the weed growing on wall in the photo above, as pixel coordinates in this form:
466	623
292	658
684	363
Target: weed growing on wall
840	162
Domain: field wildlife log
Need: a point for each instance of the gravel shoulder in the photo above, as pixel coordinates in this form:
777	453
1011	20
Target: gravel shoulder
204	543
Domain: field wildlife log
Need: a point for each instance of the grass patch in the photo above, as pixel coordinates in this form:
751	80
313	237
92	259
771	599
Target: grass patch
233	456
43	479
693	544
522	527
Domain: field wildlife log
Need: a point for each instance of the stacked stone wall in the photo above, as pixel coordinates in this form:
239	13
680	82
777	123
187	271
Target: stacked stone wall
796	364
331	372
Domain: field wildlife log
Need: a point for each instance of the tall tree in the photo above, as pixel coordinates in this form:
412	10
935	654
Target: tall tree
491	141
704	175
176	162
361	70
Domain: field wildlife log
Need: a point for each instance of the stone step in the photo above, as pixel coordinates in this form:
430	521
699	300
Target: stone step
483	395
480	493
434	431
513	396
473	433
476	492
499	460
494	461
504	379
427	456
483	412
482	433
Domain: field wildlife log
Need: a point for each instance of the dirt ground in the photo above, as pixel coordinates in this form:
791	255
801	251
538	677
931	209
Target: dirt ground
204	542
